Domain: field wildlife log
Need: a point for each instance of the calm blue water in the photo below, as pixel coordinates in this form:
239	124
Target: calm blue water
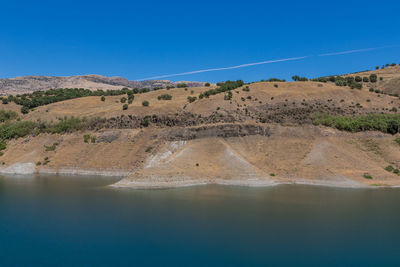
57	220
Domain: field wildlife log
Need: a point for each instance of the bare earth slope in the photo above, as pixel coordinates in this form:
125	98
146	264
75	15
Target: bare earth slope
261	136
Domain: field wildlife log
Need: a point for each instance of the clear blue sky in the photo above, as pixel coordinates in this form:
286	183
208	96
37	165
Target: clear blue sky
140	39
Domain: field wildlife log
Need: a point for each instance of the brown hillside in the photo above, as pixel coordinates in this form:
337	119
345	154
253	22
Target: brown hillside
261	136
390	82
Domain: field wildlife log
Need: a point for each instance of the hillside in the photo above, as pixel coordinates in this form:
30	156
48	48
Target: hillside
256	134
27	84
388	81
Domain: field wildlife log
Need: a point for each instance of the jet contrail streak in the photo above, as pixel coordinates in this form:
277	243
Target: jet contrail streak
351	51
224	68
265	62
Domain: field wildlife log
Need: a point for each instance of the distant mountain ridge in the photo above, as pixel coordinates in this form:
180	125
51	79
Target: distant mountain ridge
26	84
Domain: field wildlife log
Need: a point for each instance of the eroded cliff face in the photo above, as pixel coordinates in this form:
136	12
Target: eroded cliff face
307	154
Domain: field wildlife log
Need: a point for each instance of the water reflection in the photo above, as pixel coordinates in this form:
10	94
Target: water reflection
67	220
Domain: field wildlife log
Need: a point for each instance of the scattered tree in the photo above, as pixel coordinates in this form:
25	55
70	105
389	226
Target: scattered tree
181	85
24	110
373	78
164	97
191	99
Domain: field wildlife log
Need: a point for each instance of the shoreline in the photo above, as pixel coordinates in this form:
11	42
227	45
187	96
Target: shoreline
251	183
29	169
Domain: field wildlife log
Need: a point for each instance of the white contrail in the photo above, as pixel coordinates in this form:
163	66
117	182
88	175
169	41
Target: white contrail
351	51
224	68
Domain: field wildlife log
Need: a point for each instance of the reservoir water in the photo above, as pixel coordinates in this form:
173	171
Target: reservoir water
67	220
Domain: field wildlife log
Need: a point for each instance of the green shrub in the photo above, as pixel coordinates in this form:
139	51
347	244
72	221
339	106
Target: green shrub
66	125
207	84
123	99
103	98
145	122
164	97
228	96
3	145
365	79
272	174
93	139
191	99
246	89
354	85
181	85
367	176
51	148
340	83
145	103
389	168
7	115
373	78
16	129
124	106
148	149
298	78
86	138
358	79
397	140
24	110
396	171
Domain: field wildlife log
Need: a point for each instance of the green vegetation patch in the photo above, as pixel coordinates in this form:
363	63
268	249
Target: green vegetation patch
222	87
191	99
51	148
7	115
367	176
386	123
41	98
164	97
